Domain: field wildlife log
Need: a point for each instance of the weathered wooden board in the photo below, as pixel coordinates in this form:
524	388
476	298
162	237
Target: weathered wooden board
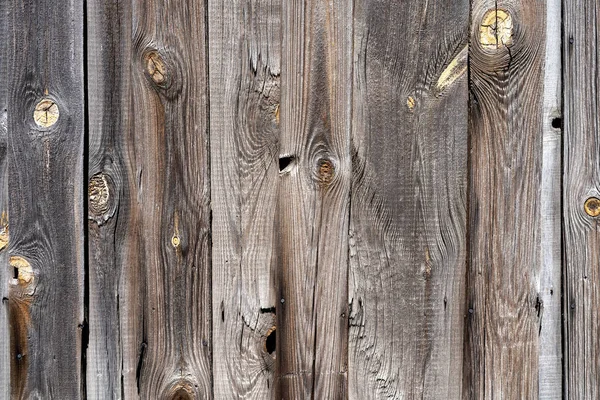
45	125
244	45
550	336
168	167
408	217
506	131
313	200
114	281
5	273
581	181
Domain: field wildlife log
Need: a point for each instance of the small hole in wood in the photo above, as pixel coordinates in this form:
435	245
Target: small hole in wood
271	341
15	273
557	123
285	163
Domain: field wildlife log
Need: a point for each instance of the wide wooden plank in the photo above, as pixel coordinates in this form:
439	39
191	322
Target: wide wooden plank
506	131
244	47
550	347
170	235
45	126
581	191
313	201
5	273
408	217
115	328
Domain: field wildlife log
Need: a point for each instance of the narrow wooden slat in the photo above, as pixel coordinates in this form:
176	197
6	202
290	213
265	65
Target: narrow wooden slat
550	348
312	212
408	217
506	131
115	339
168	155
581	181
244	47
5	273
45	186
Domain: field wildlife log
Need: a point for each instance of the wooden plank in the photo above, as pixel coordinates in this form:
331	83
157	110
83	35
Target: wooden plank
115	339
408	217
45	126
581	181
170	191
313	201
5	273
550	334
506	131
244	47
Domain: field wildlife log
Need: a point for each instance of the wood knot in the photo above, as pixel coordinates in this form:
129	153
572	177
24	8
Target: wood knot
155	67
99	197
592	206
410	103
326	171
3	230
46	113
496	29
23	272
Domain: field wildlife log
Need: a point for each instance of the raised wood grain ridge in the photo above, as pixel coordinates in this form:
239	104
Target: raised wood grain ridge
581	181
244	45
313	200
506	130
46	199
408	214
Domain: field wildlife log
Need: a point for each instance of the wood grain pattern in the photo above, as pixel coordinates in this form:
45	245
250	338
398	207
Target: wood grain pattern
171	207
244	64
550	334
408	217
581	180
45	186
313	200
5	273
115	340
506	132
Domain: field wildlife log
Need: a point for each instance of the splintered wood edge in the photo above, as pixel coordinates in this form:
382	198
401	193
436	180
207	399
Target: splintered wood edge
3	230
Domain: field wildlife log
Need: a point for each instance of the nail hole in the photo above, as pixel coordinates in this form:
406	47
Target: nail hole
285	163
271	341
557	123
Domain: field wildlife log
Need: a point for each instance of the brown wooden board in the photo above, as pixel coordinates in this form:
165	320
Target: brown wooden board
313	200
408	218
506	130
244	46
581	181
44	159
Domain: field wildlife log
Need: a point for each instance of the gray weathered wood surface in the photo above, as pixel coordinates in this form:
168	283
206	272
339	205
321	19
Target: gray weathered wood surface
408	219
44	164
244	81
299	199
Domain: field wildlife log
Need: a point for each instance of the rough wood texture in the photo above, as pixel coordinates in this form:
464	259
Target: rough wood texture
550	347
581	180
313	201
45	183
506	131
408	217
5	273
244	48
169	252
115	342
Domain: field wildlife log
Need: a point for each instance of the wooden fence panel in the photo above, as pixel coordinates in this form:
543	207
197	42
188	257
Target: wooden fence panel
550	335
114	284
244	67
408	218
312	212
45	125
581	191
506	130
